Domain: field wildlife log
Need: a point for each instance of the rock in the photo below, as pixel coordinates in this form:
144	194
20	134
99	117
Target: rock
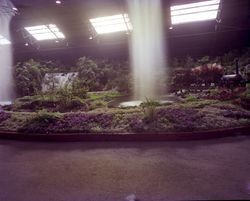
127	104
178	93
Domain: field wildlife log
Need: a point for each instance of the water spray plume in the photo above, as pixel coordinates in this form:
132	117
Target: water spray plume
6	80
147	48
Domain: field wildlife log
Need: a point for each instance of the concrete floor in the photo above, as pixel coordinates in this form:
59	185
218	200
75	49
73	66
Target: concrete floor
215	169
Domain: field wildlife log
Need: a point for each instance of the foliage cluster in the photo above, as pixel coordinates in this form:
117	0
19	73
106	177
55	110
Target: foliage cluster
223	94
64	100
196	71
4	116
149	109
29	75
93	75
205	74
104	74
227	60
74	122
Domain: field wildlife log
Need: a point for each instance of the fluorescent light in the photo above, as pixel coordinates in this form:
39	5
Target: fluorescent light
58	2
198	4
4	41
195	10
193	18
45	32
110	24
200	11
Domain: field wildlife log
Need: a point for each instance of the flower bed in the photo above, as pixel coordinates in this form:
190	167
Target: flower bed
191	114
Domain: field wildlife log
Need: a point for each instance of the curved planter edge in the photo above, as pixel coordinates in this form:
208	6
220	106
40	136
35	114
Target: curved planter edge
109	137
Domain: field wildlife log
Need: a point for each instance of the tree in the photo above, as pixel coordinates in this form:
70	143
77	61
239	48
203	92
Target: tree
28	78
88	69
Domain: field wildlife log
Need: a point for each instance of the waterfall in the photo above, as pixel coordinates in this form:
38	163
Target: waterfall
53	81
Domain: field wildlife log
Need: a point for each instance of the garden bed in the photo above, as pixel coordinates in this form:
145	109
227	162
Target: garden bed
193	114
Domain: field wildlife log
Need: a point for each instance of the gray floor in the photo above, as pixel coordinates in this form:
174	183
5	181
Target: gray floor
215	169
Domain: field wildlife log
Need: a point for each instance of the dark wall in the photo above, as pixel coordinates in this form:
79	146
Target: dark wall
194	39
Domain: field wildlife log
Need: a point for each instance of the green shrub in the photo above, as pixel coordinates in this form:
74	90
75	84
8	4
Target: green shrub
45	117
72	104
191	98
40	123
149	109
97	104
28	78
79	89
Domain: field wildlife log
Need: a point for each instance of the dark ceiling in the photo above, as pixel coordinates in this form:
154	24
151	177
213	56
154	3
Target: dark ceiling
72	16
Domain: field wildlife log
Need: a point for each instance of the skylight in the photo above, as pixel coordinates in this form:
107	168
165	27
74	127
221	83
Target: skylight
110	24
45	32
4	41
200	11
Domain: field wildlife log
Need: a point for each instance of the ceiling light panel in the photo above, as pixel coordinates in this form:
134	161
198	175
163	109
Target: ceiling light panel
200	11
45	32
4	41
110	24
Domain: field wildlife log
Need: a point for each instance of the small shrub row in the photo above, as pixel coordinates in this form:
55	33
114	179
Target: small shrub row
221	94
79	122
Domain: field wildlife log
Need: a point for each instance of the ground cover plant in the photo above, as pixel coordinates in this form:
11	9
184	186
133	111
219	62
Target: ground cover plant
192	114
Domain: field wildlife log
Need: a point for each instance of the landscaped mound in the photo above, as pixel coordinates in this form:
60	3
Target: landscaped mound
191	114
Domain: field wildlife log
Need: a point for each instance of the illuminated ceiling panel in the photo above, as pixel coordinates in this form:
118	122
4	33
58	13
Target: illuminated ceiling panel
110	24
45	32
200	11
4	41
